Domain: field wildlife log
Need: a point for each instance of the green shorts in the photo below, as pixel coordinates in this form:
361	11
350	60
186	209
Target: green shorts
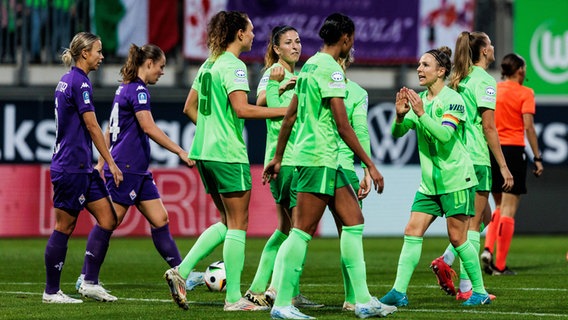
280	187
321	180
354	182
221	177
449	204
352	178
483	174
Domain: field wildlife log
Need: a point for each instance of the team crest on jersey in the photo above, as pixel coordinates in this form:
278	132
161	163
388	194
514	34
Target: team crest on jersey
142	98
132	195
240	73
140	88
82	199
439	111
337	76
84	85
86	97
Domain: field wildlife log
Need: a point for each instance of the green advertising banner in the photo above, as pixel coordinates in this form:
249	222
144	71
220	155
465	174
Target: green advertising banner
541	37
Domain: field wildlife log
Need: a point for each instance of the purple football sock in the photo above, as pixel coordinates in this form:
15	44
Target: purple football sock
55	252
97	245
166	245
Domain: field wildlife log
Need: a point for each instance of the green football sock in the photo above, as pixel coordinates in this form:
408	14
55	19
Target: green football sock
347	285
352	255
290	259
407	262
352	240
470	262
205	244
474	238
266	264
296	290
234	258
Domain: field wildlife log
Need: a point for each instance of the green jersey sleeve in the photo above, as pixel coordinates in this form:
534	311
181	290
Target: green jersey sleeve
356	105
276	100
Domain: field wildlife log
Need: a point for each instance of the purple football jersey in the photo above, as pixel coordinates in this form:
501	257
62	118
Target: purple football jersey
130	146
73	151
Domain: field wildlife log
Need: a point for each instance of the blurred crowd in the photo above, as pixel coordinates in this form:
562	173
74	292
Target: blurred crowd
37	31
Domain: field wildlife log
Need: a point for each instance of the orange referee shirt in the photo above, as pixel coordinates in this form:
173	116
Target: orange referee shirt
513	100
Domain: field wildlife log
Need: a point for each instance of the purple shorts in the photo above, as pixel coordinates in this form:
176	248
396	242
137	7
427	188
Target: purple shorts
72	191
133	189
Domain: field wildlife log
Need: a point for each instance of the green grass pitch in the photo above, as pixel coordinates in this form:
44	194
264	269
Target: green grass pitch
133	271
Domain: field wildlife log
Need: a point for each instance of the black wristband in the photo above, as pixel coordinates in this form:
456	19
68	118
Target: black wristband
537	159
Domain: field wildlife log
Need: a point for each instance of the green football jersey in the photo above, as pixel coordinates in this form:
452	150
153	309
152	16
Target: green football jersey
274	100
478	90
219	132
316	144
446	166
356	105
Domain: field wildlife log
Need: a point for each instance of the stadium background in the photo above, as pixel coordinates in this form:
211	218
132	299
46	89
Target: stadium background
390	37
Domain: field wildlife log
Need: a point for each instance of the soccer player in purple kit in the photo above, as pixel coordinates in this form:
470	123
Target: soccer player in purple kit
130	127
75	184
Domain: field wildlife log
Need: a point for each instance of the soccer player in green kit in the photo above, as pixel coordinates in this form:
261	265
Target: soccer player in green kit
319	110
217	103
438	116
356	105
473	55
275	89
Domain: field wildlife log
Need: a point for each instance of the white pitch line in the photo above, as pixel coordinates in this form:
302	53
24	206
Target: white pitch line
484	312
309	285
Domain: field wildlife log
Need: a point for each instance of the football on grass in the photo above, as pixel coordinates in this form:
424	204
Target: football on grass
215	277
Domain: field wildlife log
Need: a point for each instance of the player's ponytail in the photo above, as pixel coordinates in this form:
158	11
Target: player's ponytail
136	57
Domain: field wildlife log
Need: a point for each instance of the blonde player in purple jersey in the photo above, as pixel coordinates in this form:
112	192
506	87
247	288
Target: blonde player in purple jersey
217	104
129	132
75	184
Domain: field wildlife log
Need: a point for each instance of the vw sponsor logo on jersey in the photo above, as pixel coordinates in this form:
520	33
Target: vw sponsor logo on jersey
86	97
337	76
142	98
240	73
84	85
